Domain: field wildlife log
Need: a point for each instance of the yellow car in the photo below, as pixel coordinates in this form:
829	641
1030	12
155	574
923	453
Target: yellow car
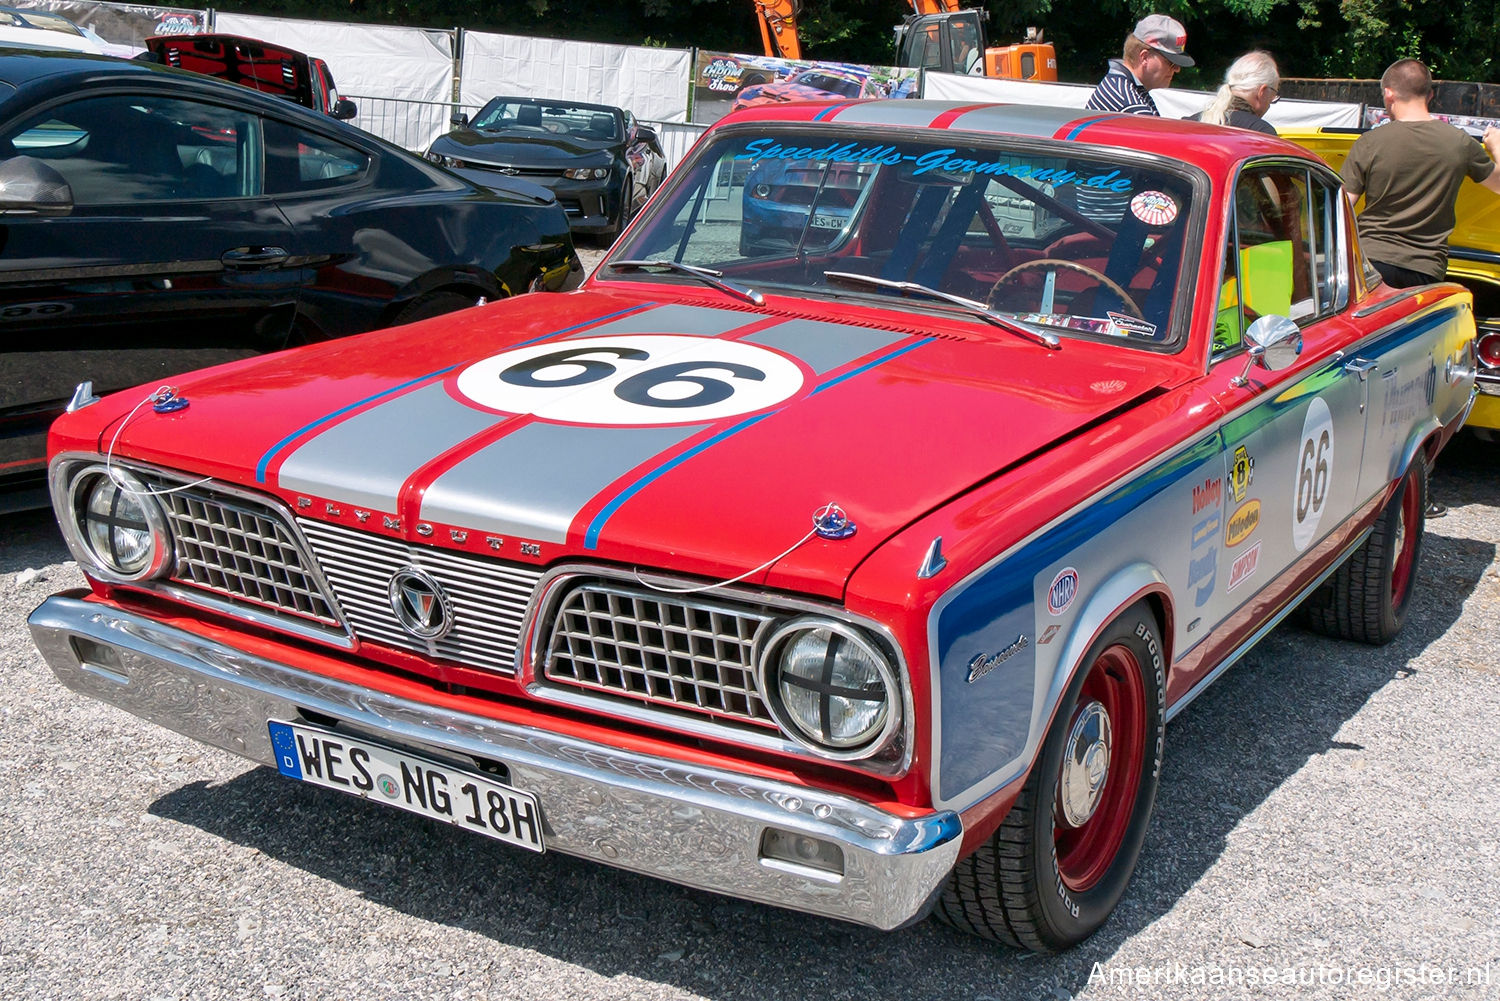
1473	261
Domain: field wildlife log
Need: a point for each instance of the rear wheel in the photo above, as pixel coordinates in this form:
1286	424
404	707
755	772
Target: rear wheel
1367	598
431	304
1058	865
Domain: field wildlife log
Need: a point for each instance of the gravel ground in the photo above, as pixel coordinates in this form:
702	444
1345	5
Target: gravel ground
1326	814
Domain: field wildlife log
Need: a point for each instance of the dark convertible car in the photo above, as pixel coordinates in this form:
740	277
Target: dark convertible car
600	162
155	220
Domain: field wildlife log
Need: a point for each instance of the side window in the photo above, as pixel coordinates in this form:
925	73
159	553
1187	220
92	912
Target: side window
1284	255
298	160
131	149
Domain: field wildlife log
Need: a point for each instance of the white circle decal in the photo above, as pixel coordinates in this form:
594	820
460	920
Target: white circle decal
1314	469
632	380
1154	208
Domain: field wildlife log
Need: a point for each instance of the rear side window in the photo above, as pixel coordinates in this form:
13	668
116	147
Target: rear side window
137	148
298	160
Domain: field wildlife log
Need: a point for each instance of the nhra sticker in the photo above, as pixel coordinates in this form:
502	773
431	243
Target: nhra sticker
1314	464
1063	590
1154	208
633	380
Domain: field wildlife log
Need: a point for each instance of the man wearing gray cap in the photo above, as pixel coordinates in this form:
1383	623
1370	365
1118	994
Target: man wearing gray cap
1153	55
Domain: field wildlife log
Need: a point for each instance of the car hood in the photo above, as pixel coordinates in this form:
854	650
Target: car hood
406	431
533	150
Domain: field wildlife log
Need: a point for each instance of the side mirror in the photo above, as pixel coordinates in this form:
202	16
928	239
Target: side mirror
29	186
1275	342
345	109
460	120
646	134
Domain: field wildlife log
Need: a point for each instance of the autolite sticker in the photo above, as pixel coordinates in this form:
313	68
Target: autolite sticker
1244	521
1063	590
1244	566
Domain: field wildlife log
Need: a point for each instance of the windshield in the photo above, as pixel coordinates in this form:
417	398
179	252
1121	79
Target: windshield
847	86
536	117
1084	245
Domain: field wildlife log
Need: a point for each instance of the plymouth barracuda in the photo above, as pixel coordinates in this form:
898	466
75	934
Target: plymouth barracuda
858	575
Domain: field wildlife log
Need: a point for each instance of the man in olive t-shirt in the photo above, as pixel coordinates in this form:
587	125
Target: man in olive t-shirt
1410	170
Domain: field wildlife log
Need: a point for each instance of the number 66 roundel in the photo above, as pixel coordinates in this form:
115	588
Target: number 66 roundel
633	380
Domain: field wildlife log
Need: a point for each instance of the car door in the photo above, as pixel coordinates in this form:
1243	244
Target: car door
1293	440
169	259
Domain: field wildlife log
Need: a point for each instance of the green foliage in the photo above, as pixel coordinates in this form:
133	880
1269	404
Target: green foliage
1458	39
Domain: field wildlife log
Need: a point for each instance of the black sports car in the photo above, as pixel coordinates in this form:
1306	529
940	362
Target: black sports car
600	162
154	220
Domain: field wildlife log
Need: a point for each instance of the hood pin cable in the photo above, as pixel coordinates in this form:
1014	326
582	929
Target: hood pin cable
164	400
829	522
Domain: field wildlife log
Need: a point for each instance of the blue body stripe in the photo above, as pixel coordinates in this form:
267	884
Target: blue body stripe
596	526
827	112
265	460
1085	124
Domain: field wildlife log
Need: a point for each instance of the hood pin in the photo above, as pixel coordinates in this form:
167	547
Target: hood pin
166	401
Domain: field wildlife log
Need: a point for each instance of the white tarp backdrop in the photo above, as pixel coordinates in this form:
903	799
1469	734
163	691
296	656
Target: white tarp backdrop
650	83
1171	102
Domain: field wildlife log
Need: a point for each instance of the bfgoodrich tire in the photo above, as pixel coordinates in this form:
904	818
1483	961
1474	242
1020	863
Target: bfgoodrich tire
1366	599
1058	865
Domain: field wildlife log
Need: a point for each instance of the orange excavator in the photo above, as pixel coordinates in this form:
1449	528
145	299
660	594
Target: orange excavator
939	36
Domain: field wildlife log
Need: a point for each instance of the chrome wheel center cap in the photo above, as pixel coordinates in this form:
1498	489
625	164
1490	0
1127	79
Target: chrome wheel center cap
1085	766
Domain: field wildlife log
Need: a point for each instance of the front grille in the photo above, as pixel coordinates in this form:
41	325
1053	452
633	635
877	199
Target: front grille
240	549
489	598
659	650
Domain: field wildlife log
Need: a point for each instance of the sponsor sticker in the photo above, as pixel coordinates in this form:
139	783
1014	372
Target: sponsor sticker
1241	474
1063	590
1244	566
1243	523
1154	208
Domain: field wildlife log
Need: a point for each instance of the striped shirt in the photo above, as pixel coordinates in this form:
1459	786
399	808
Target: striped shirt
1118	91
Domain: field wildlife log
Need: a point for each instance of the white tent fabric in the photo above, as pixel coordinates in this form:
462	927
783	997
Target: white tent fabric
1172	103
651	83
409	63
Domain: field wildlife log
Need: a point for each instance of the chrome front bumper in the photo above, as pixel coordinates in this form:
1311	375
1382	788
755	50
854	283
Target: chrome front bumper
700	827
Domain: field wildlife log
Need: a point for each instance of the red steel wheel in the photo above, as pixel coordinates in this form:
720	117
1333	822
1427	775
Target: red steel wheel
1409	526
1101	769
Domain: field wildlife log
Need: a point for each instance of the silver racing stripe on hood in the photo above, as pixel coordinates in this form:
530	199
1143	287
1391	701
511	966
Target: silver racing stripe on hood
535	480
364	459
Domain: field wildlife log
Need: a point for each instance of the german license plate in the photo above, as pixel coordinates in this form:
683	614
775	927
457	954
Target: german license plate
827	222
408	782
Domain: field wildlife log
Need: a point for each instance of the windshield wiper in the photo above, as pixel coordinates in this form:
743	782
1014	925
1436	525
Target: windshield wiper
707	276
976	309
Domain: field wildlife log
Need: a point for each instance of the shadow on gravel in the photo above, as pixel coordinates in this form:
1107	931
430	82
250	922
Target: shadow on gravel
1226	754
30	539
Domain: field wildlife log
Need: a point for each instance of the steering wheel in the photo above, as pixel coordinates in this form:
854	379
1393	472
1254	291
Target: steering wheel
1056	264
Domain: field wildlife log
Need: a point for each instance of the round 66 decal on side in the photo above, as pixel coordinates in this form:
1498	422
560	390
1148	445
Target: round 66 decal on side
638	379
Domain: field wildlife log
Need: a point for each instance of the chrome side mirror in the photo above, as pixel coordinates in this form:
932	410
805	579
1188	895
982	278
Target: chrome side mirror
1275	342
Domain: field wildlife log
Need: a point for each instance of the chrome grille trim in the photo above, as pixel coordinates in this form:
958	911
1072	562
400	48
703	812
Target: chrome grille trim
489	597
658	649
243	548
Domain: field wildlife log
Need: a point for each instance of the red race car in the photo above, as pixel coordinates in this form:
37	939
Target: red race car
856	572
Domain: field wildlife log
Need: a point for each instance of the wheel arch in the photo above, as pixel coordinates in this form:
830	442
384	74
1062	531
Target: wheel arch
472	282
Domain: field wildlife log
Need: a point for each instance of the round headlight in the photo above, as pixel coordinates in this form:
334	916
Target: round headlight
830	687
115	524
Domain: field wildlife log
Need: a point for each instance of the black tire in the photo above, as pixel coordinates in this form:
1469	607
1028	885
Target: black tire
430	304
627	195
1366	599
1043	882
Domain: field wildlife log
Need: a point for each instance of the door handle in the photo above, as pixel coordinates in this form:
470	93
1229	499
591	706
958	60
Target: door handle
1361	367
253	257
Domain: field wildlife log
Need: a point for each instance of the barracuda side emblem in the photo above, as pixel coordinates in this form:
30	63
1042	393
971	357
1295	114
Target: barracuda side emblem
982	665
420	603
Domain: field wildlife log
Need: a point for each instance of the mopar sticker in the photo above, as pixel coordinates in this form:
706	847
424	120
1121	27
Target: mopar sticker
1314	464
633	380
1063	590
